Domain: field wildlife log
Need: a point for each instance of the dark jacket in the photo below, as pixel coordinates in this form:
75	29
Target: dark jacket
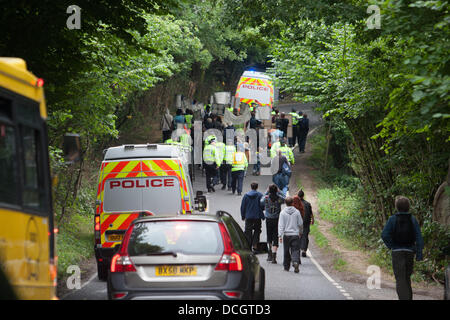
386	235
283	124
308	216
304	125
250	206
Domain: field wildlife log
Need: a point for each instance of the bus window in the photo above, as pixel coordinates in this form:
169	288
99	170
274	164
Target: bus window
8	170
31	197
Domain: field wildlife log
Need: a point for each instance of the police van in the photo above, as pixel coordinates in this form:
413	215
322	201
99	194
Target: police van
136	181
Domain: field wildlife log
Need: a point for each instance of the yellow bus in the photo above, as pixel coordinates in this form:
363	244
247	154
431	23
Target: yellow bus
27	238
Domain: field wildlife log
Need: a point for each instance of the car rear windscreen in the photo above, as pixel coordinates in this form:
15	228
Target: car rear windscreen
155	194
188	237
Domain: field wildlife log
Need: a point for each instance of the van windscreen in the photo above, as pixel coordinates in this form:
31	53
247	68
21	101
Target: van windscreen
155	194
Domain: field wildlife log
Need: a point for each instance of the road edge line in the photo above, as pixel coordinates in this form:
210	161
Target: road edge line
329	278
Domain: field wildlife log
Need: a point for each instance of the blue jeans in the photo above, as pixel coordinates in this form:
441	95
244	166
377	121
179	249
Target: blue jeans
282	181
257	167
237	180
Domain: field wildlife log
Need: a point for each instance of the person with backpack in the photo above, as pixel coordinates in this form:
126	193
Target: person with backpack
271	202
402	235
281	172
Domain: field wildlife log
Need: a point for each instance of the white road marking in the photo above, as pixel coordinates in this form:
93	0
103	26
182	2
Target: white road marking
327	276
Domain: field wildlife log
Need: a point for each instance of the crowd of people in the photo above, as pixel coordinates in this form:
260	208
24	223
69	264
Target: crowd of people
290	225
227	164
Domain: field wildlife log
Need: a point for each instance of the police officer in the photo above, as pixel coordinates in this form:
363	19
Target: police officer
189	116
211	163
274	149
220	149
286	151
225	168
295	119
238	169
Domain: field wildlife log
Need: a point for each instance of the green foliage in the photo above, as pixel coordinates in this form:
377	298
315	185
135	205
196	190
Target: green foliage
354	222
74	242
384	95
320	239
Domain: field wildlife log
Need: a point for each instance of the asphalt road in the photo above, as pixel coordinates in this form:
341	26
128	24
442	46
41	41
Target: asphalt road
311	283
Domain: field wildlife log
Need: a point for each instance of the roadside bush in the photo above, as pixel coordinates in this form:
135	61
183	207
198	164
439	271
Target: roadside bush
355	222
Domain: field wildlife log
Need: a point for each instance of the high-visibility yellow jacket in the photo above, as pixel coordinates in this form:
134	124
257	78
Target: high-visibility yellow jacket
287	152
210	155
185	140
274	149
229	152
220	149
170	141
295	118
239	161
188	118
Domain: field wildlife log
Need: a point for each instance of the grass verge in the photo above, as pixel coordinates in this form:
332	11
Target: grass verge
339	263
75	239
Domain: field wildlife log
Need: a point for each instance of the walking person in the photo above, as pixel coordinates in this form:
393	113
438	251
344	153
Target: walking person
179	119
303	132
308	219
225	168
282	124
166	125
252	214
211	163
295	120
271	202
286	151
402	235
238	169
290	226
281	171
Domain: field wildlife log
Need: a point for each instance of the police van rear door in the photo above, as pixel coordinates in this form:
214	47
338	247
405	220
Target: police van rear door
158	195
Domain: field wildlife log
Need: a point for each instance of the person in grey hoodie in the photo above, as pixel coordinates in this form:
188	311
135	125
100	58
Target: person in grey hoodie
290	227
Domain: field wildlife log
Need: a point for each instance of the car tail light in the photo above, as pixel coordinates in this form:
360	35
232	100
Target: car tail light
233	294
230	260
121	262
119	295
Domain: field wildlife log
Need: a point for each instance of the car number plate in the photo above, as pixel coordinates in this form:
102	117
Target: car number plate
175	271
115	237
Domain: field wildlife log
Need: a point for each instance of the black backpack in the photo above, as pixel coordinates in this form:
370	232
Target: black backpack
273	206
404	234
